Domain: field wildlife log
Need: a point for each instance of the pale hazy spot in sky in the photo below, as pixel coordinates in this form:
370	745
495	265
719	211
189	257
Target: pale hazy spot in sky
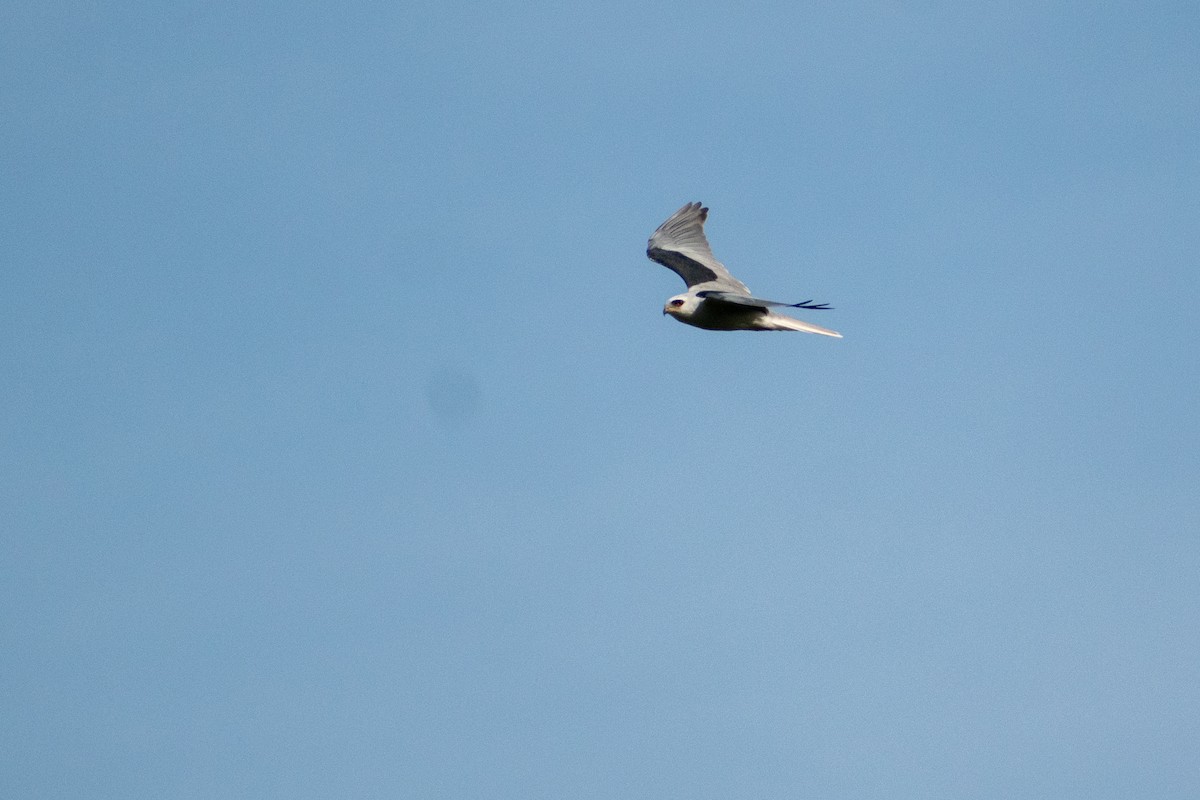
453	395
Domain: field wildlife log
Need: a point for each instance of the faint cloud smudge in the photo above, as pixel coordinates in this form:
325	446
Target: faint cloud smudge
453	395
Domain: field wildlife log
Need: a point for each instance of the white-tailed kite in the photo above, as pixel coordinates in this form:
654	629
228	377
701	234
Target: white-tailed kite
715	300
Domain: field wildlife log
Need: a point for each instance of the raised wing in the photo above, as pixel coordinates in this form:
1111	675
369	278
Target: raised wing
680	246
747	300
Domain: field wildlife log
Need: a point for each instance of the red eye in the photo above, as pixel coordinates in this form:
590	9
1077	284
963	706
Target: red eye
676	303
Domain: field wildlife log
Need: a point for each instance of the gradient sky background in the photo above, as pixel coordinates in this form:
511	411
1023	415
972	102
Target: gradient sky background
346	452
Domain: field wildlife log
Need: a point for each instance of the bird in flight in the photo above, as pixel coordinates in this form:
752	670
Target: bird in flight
715	300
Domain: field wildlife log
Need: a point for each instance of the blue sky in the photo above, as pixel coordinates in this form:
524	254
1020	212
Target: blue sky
346	452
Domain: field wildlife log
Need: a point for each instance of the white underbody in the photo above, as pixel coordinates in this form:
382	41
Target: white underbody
715	316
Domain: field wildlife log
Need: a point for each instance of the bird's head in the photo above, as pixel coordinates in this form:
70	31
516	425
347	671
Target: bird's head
681	305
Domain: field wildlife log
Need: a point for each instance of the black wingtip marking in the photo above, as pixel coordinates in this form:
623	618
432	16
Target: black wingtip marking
809	304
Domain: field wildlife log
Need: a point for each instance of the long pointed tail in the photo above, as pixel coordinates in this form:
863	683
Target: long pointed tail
780	322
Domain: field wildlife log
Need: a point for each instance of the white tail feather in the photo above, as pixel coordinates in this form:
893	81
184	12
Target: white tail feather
779	322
